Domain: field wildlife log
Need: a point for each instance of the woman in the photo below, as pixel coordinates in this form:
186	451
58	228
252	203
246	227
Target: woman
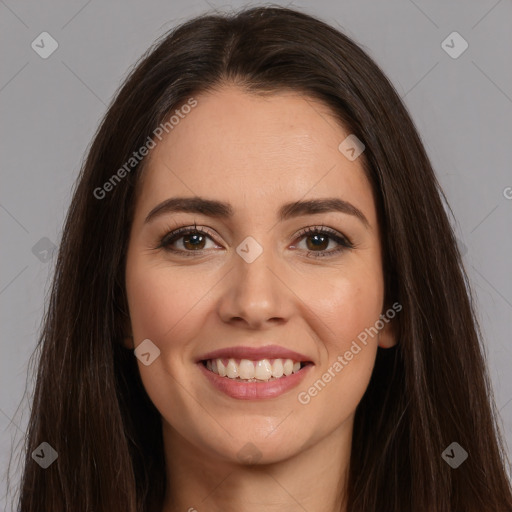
259	302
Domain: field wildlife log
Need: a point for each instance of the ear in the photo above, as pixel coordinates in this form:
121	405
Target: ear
387	336
123	319
128	341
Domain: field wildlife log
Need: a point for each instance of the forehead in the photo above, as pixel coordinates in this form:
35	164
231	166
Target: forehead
255	152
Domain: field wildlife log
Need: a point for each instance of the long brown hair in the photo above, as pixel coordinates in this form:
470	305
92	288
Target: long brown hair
430	390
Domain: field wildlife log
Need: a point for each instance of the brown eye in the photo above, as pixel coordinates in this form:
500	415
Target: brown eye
193	240
318	239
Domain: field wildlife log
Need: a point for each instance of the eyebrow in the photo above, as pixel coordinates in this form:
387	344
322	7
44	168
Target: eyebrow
221	210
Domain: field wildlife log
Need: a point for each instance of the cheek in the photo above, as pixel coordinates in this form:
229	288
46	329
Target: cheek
347	307
332	395
351	332
159	301
162	309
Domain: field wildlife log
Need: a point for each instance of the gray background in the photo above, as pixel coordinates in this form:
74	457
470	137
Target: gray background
51	107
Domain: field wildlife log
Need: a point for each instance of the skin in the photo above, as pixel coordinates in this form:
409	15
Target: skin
255	153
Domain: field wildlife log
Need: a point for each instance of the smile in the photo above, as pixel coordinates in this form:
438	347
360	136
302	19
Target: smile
253	371
254	388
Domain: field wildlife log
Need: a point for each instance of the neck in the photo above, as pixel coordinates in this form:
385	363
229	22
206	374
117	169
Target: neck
314	479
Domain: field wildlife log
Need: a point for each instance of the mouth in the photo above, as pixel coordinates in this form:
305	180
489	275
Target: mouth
254	373
248	370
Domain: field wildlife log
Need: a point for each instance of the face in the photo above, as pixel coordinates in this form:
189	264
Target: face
255	282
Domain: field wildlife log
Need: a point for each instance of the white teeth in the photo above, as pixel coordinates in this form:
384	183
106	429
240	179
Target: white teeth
232	369
277	368
221	369
246	369
262	370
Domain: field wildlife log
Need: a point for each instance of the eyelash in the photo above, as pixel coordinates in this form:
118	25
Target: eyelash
173	236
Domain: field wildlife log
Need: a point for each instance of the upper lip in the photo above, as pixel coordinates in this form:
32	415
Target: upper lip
255	353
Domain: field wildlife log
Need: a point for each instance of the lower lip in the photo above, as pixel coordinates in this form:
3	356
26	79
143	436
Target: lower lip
254	390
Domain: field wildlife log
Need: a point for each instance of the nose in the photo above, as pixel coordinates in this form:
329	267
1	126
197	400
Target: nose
256	293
